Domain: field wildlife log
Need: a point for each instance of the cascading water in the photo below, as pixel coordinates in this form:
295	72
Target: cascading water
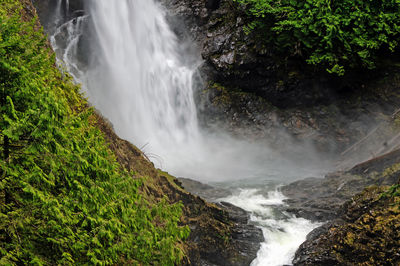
137	76
139	80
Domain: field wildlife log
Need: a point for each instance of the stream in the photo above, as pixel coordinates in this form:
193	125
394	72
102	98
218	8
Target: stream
135	70
283	232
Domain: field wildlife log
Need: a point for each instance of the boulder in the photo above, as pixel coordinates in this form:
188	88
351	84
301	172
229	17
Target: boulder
367	233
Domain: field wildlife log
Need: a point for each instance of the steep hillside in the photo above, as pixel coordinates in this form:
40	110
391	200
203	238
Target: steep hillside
72	192
64	197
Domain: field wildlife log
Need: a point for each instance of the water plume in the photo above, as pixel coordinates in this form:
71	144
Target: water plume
140	78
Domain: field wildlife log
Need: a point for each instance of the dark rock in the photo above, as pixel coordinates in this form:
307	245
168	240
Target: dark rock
362	228
57	17
275	99
213	246
321	199
304	255
366	234
377	164
238	59
238	215
207	192
53	13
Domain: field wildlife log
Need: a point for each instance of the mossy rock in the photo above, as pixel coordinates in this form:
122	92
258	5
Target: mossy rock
367	234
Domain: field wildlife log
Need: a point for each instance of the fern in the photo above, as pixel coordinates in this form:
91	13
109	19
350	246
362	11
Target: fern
335	35
63	197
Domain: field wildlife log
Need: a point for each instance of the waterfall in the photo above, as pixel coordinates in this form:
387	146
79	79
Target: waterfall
137	75
140	76
135	71
139	80
68	51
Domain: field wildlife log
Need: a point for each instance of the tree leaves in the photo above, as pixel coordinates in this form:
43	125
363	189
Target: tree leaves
336	35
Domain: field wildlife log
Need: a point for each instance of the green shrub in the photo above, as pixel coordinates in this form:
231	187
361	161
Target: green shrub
63	197
336	35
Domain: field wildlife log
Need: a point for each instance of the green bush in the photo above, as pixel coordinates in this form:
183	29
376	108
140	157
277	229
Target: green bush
336	35
63	197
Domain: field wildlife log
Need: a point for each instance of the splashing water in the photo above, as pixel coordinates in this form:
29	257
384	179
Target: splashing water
139	81
73	30
283	232
137	75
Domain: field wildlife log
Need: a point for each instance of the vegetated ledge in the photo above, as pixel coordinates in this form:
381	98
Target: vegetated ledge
367	233
217	237
362	207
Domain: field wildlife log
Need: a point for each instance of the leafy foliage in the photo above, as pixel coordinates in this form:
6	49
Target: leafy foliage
63	197
393	191
336	35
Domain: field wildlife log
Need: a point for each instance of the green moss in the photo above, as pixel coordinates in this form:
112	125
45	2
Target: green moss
230	97
64	198
391	170
374	237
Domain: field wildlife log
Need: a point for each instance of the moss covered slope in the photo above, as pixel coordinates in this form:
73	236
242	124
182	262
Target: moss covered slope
73	192
64	198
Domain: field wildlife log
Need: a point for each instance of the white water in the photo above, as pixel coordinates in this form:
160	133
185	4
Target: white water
140	81
68	52
283	232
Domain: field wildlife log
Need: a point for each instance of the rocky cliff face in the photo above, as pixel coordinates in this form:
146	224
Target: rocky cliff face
362	215
236	59
66	10
251	91
367	233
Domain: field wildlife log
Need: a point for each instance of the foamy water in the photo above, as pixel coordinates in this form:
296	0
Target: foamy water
283	232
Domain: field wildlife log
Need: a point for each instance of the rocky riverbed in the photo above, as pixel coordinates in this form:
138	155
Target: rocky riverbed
366	232
362	216
360	220
322	199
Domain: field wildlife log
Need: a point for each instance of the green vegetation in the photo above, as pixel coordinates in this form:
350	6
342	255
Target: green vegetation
336	35
371	237
63	197
393	191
